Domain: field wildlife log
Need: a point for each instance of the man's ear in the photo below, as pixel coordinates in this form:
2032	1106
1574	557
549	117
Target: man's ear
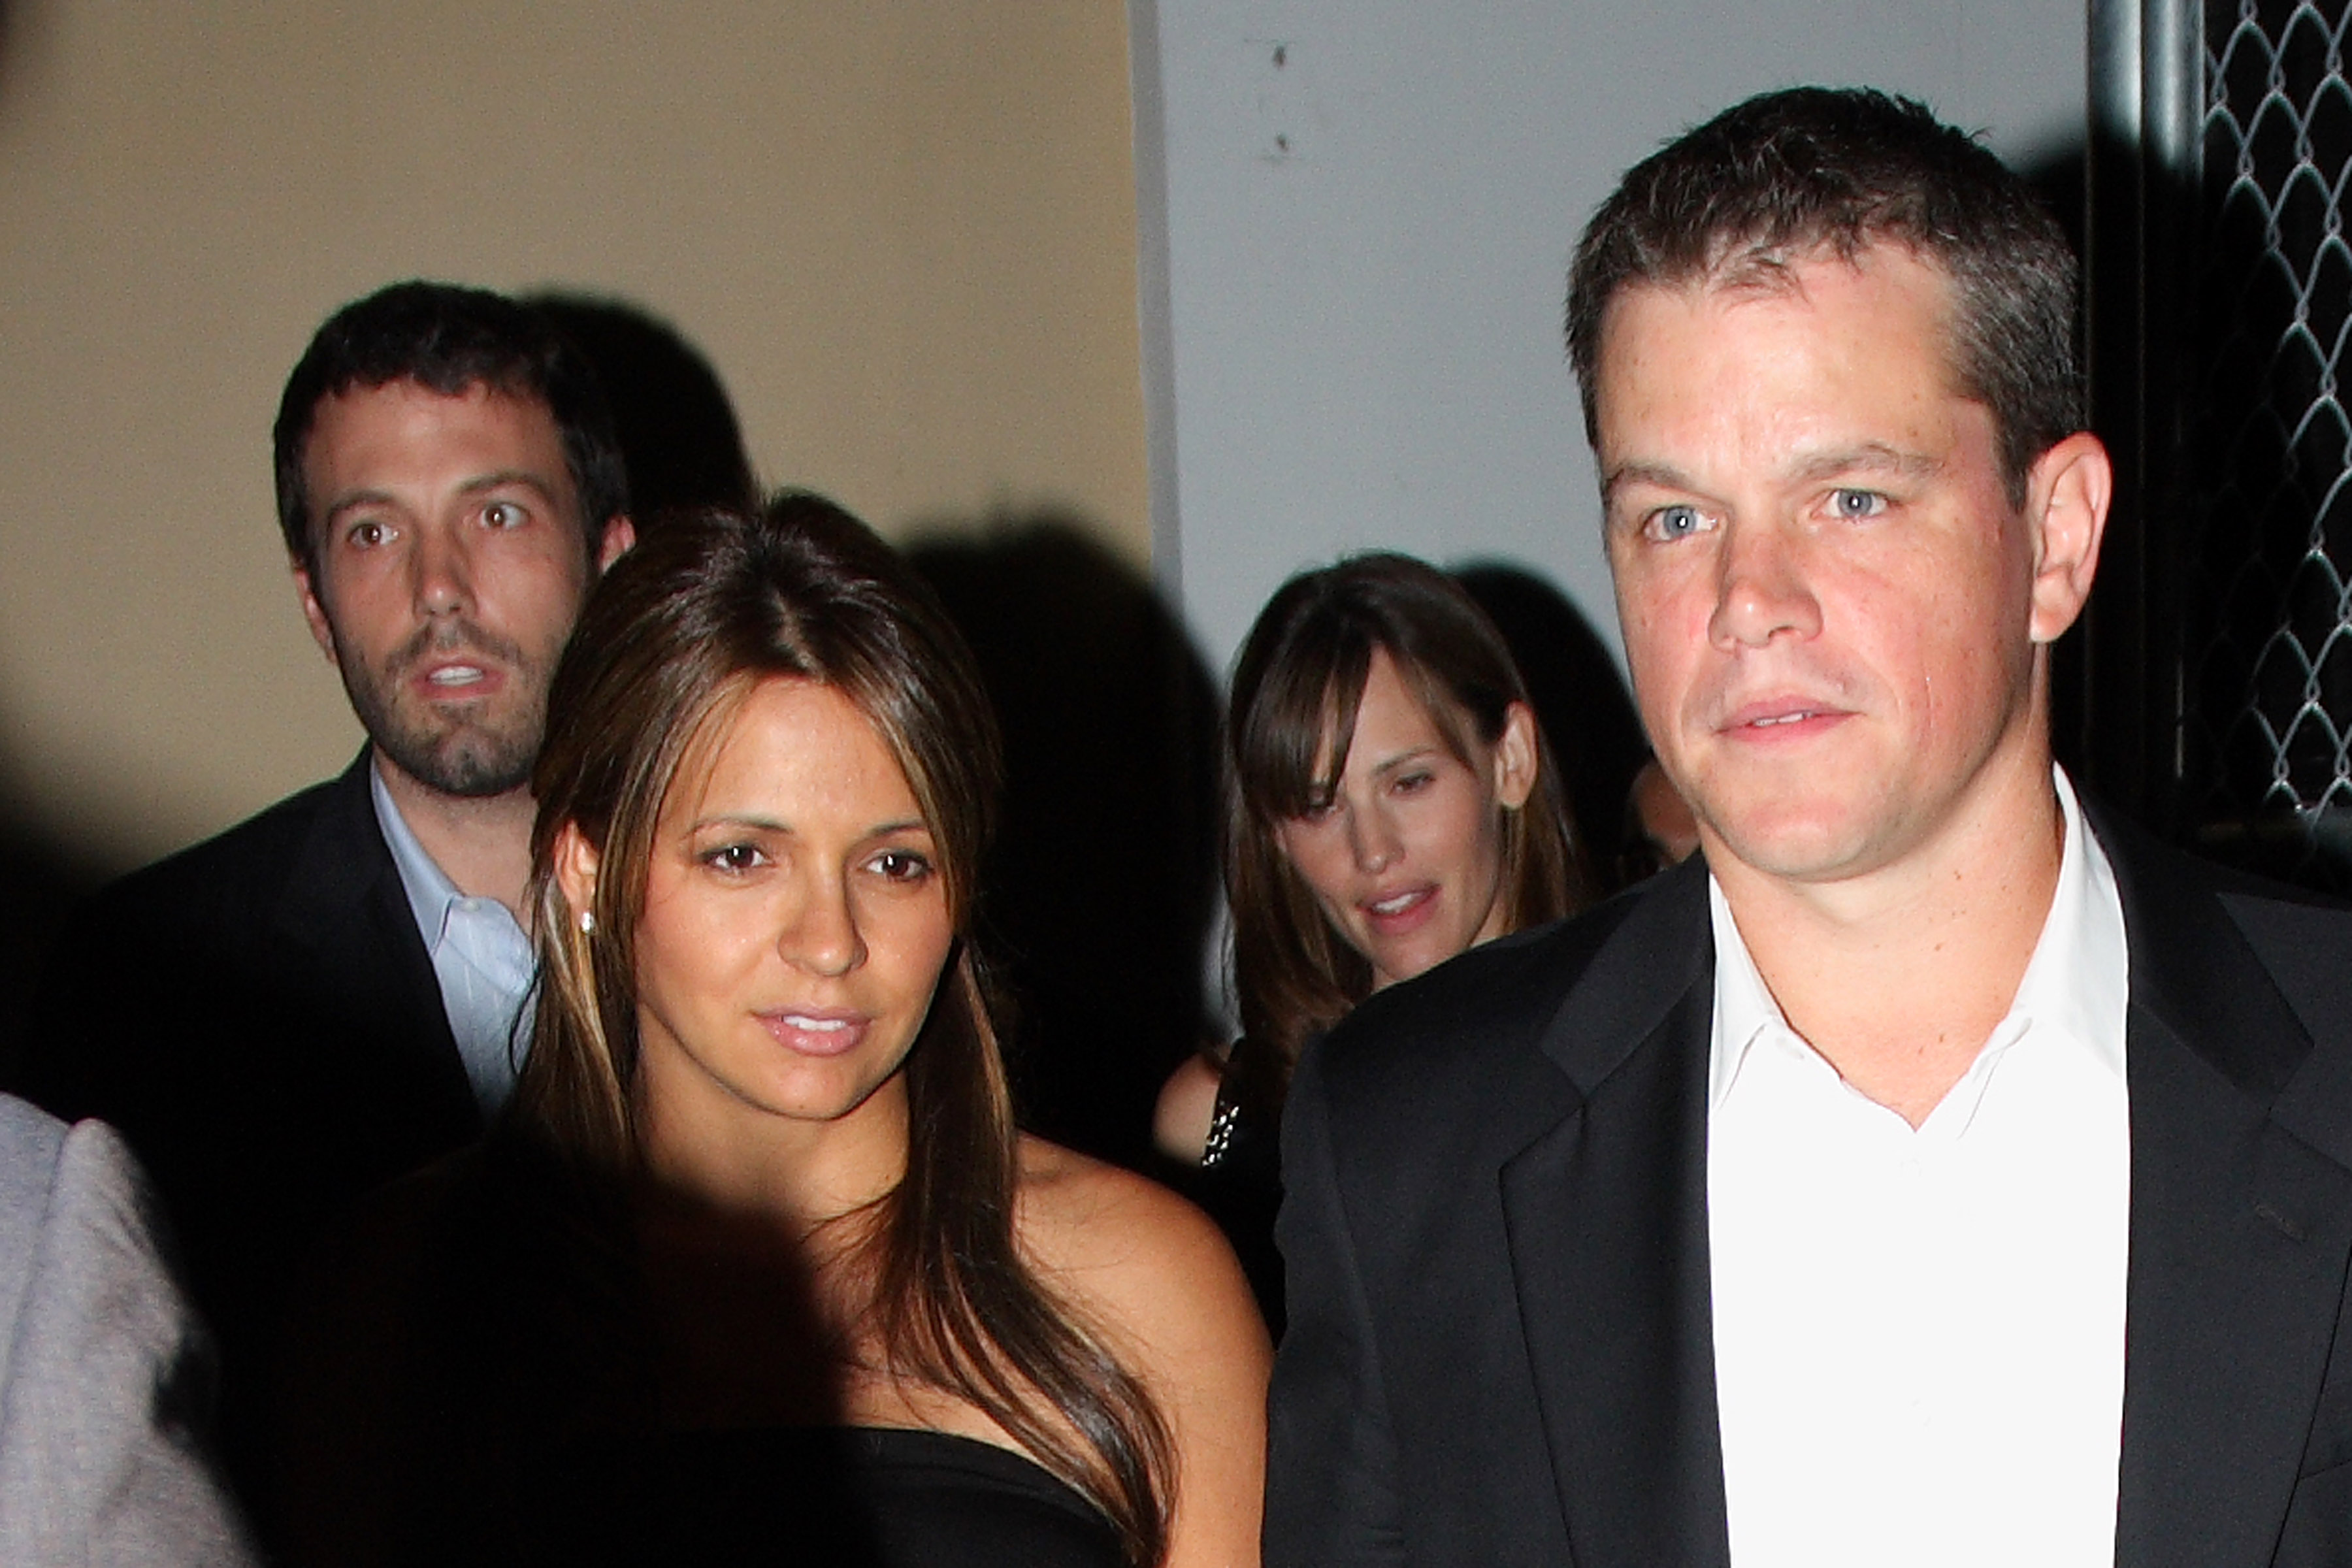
1518	758
620	536
575	868
2067	494
323	631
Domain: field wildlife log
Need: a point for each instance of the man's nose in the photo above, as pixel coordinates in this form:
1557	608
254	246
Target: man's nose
1761	589
443	575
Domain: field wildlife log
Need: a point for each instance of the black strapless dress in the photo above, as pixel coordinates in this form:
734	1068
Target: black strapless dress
864	1498
482	1394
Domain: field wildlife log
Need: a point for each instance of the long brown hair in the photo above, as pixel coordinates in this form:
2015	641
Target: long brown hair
1300	677
672	639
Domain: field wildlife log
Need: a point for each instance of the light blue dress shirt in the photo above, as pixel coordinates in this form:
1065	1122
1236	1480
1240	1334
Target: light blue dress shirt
480	957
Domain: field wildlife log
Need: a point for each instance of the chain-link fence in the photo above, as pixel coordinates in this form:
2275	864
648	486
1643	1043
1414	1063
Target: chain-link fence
2264	749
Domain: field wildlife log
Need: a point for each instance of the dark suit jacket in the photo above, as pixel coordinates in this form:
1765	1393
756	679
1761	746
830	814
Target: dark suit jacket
1500	1349
258	1015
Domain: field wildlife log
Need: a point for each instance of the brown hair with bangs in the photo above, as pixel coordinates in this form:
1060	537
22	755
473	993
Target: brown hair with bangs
1299	680
673	637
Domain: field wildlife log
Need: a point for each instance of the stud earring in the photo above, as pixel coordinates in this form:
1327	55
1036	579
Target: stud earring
587	923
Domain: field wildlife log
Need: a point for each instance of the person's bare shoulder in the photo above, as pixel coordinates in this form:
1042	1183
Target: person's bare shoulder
1105	1232
1188	1104
1156	1278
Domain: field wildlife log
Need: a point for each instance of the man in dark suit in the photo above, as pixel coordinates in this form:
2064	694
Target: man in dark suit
324	997
1935	1171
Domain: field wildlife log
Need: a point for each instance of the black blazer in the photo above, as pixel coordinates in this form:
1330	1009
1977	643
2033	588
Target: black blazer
259	1017
1500	1349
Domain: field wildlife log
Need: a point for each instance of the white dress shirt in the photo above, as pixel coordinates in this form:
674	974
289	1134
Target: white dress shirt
480	957
1919	1334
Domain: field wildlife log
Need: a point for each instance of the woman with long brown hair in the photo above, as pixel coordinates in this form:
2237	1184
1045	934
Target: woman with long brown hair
1390	801
768	1224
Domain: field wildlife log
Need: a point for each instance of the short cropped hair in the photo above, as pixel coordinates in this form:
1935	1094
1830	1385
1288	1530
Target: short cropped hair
1790	174
449	339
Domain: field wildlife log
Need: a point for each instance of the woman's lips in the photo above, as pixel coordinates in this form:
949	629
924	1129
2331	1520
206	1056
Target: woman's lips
1404	911
817	1031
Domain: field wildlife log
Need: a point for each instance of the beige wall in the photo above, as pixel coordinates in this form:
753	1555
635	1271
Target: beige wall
903	233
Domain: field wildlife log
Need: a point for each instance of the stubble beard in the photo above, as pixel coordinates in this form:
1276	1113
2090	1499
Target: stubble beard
469	750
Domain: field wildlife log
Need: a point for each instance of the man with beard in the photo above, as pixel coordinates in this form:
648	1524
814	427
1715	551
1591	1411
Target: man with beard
329	994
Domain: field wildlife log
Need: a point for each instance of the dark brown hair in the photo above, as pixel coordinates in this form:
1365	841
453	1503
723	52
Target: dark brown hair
1788	175
449	339
670	642
1299	679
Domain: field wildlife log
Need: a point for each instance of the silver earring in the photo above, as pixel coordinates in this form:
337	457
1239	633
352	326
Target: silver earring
587	923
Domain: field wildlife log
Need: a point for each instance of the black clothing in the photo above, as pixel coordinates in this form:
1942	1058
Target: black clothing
1500	1345
259	1017
864	1496
478	1378
1238	1182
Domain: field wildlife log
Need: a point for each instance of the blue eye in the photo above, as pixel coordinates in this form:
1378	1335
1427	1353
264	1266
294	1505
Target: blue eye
1671	522
1853	504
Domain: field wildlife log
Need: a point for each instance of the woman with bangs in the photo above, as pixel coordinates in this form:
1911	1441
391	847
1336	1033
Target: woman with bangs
757	1266
1391	802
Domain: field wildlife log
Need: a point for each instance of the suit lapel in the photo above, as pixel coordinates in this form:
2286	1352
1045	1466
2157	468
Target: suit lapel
1606	1214
2240	1234
346	915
